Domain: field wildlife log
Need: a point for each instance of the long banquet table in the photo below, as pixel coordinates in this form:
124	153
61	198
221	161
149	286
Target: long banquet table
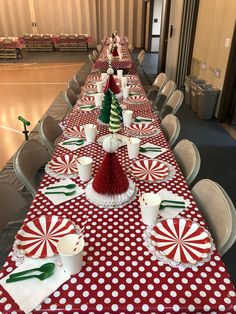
124	61
119	275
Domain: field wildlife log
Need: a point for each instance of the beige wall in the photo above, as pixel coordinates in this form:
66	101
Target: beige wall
215	24
97	18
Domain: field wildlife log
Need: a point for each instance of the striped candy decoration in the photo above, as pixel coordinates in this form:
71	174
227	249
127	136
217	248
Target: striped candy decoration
142	129
136	99
149	169
76	131
91	86
181	240
86	99
64	164
38	238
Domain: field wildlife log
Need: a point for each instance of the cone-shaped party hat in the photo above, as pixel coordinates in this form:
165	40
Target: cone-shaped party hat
115	52
110	186
110	178
111	84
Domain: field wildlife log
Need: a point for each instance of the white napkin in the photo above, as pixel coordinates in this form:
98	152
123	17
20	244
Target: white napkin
153	154
57	199
31	292
72	147
171	212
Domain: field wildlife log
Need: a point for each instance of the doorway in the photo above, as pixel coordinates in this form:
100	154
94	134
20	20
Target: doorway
227	110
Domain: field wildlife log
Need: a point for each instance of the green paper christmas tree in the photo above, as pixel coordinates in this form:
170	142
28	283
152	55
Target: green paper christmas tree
106	107
116	115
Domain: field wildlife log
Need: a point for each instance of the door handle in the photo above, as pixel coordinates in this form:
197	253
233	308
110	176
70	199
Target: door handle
171	30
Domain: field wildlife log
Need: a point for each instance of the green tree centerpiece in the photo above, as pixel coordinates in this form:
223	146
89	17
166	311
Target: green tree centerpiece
115	116
104	116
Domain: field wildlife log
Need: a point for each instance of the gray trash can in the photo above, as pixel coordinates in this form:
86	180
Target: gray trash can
189	80
187	90
206	102
194	90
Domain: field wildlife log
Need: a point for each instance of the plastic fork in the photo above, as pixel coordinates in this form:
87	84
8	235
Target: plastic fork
65	193
68	186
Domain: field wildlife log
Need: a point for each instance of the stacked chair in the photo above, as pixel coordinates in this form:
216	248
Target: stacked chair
10	49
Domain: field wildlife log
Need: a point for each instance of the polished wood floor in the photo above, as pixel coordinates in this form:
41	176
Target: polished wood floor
27	89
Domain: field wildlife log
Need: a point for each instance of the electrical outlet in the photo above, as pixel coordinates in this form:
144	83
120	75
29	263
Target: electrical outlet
227	42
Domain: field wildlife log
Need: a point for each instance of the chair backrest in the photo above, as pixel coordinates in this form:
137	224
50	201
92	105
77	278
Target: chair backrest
78	80
70	97
99	48
175	100
11	201
142	52
141	59
74	86
172	104
131	48
188	158
218	211
168	89
28	161
91	58
160	81
95	54
170	125
49	131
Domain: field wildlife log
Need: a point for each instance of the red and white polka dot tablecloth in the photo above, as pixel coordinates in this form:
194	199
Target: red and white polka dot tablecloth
119	275
123	62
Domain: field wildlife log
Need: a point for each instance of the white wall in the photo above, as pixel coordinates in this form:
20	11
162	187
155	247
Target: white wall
156	15
156	26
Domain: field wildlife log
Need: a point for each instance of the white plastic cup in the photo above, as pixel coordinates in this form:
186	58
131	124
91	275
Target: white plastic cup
90	132
127	117
98	99
104	77
125	91
85	168
71	258
119	74
149	203
124	80
99	86
133	145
